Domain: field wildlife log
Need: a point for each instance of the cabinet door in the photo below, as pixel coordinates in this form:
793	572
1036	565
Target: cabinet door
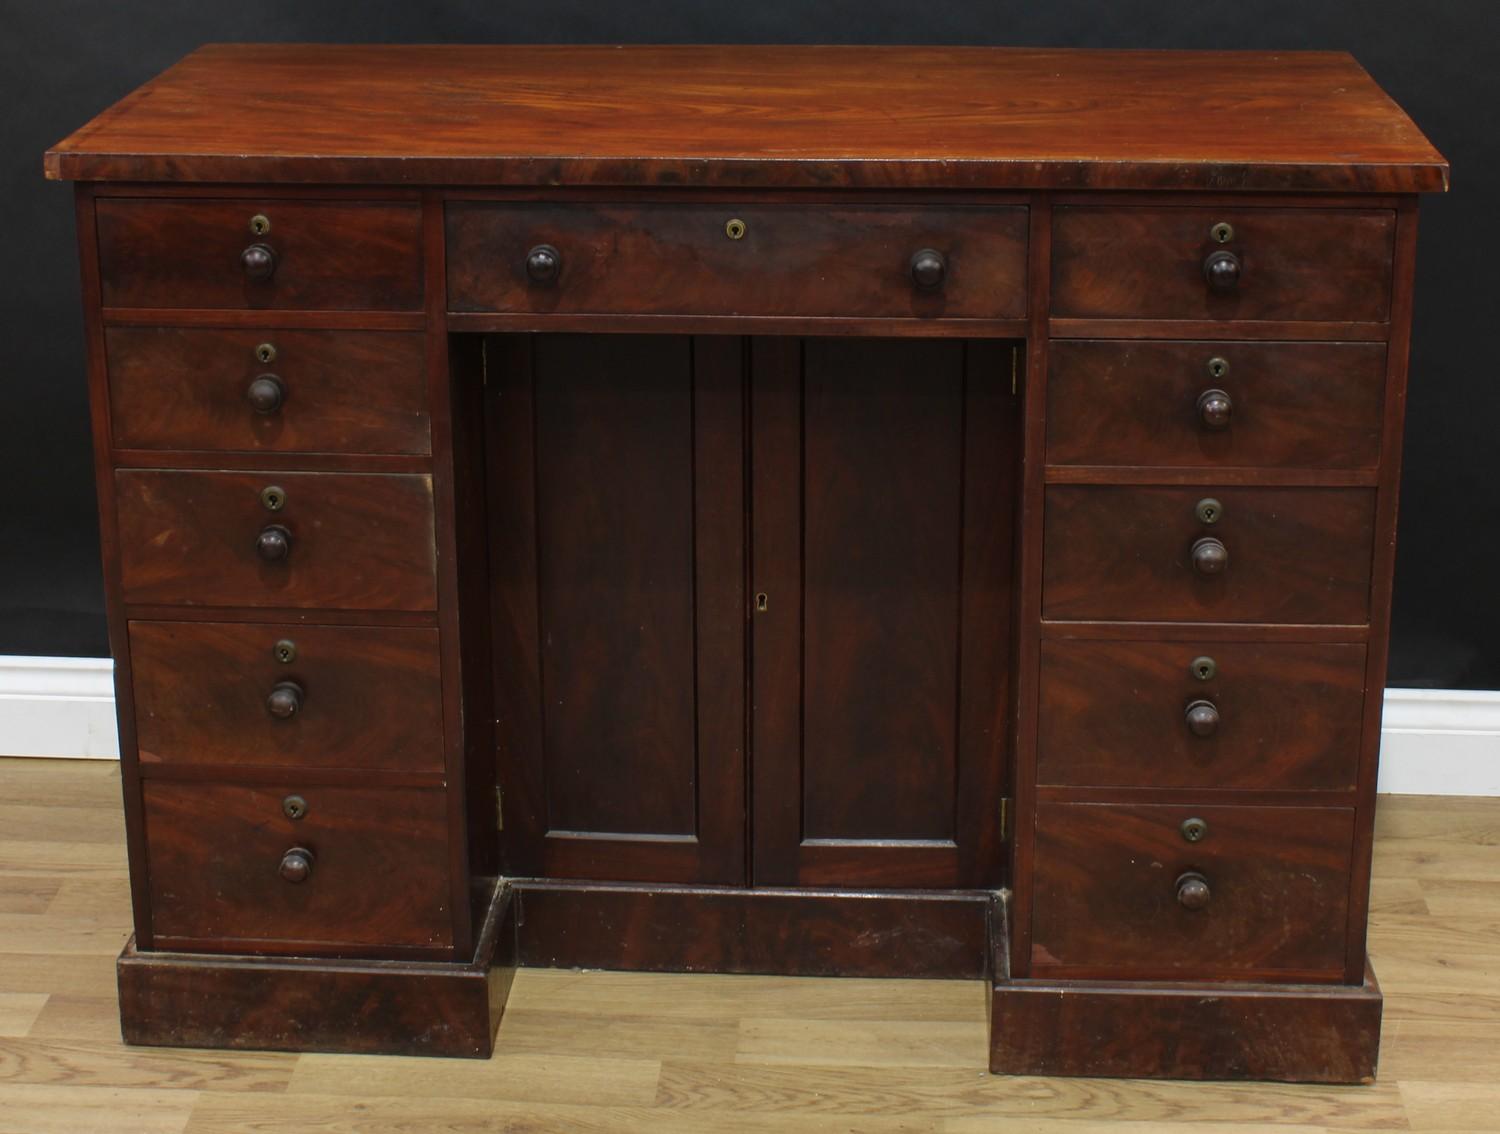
881	476
617	505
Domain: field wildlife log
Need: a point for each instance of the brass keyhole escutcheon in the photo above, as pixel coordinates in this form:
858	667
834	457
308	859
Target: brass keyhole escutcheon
1194	830
1209	511
294	807
734	229
266	352
273	498
1222	232
285	651
762	602
260	224
1218	367
1203	668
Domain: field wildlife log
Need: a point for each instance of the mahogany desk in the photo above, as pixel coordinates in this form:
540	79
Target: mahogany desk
882	511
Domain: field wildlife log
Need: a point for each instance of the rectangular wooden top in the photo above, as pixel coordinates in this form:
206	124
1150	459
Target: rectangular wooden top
753	117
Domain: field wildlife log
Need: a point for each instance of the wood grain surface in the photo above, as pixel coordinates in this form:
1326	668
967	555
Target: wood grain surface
647	1053
809	116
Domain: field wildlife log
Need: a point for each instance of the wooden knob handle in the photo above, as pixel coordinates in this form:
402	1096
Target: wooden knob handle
543	264
1215	409
1222	270
285	701
297	864
259	262
1192	891
266	394
929	267
274	543
1210	557
1203	718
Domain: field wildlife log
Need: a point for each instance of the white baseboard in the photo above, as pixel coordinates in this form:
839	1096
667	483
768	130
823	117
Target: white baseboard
1435	741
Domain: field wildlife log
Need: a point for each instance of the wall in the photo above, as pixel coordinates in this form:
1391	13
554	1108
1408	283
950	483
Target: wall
63	61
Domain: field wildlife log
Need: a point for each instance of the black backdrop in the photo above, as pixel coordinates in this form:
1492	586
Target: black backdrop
62	61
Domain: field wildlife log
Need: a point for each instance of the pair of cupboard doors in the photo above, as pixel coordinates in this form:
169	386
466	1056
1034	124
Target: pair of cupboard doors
751	607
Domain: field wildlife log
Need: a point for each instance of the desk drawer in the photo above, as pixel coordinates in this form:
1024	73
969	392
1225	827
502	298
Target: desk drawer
241	693
1112	895
357	541
1265	715
1116	262
268	390
1279	405
324	255
1143	553
668	259
223	867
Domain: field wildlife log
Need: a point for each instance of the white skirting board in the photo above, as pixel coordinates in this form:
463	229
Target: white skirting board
1435	741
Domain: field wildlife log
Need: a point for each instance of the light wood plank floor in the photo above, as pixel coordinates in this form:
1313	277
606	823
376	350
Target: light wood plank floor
596	1052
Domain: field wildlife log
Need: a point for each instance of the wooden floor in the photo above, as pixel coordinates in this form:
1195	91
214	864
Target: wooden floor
595	1052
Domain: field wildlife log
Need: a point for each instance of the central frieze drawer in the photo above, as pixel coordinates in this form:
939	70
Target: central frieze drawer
290	866
1174	890
769	260
277	539
1208	553
236	694
1113	262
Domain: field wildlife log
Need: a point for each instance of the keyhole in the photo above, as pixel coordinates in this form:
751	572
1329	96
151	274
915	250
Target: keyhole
285	651
260	224
266	352
734	229
1209	510
1204	668
1218	367
762	602
273	498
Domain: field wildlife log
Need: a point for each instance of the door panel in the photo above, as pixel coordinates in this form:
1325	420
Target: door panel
881	484
617	509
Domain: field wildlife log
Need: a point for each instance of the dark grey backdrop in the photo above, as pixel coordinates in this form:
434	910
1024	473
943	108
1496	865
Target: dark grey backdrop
62	61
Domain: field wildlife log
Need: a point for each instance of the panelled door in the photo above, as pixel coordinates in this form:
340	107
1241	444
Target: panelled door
617	560
881	503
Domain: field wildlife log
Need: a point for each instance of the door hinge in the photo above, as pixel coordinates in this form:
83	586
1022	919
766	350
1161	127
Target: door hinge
1004	818
499	809
1015	367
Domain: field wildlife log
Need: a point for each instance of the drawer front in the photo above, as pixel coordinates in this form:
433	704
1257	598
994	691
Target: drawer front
268	390
1132	553
1111	262
324	255
1263	715
362	542
1111	897
238	693
790	261
222	875
1279	405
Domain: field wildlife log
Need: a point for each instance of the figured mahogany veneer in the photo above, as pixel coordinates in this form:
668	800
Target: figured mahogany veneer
1108	898
354	392
364	542
367	697
377	880
1287	715
324	255
1149	263
782	260
1289	405
838	510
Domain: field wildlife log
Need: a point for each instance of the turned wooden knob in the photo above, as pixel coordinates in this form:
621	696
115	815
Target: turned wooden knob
543	264
928	268
1215	409
1203	718
1210	556
297	864
274	543
1192	891
266	394
285	701
259	262
1222	270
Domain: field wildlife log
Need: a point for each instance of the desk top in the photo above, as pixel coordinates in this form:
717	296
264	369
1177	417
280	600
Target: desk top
759	117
